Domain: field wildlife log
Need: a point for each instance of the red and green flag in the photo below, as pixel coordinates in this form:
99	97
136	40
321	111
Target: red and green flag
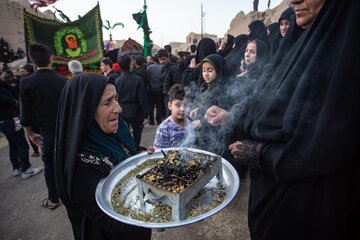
78	40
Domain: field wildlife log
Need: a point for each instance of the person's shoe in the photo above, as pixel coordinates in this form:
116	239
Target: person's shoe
30	172
16	172
35	154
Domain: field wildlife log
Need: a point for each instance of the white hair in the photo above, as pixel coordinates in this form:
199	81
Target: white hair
75	66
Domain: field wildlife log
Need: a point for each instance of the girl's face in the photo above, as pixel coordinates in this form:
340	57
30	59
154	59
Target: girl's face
284	26
208	72
250	53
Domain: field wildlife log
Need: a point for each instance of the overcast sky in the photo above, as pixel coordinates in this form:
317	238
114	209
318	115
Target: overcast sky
169	20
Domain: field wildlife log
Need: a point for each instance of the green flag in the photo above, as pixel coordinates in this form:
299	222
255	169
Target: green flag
142	21
78	40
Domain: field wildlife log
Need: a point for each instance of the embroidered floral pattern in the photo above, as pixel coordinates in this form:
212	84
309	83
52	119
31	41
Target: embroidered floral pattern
94	159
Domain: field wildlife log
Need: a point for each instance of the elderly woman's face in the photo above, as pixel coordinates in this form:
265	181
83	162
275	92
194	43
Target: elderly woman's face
107	113
306	10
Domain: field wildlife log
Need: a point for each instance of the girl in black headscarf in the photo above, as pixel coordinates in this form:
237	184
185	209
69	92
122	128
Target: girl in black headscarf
91	138
211	92
303	131
192	75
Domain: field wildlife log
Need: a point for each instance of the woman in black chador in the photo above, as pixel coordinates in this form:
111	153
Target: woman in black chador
302	144
91	138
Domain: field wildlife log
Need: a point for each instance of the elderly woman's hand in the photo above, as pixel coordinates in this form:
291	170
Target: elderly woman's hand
217	116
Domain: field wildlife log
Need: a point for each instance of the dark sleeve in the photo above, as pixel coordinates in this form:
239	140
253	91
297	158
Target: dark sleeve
86	180
300	156
187	76
142	98
172	77
175	75
25	104
8	101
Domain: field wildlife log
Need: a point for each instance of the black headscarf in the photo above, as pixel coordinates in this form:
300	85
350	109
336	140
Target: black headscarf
288	14
273	30
258	30
255	69
309	107
205	47
305	183
228	46
218	62
77	130
192	76
212	94
233	59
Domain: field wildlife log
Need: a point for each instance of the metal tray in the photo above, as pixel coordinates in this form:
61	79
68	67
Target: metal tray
105	187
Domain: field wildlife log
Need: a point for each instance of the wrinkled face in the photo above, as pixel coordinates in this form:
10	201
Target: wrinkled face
177	108
208	72
250	53
284	26
107	113
306	10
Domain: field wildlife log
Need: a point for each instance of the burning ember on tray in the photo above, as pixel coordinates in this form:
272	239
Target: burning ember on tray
181	185
177	179
178	170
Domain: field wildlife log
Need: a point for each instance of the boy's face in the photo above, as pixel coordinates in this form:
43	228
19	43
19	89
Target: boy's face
103	67
163	61
208	72
177	108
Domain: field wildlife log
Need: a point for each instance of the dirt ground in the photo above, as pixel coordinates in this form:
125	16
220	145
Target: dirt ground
23	218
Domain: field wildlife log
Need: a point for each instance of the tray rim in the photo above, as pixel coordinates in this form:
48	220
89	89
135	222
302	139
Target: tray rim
109	183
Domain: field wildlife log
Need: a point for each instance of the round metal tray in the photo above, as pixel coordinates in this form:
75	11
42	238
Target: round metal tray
105	187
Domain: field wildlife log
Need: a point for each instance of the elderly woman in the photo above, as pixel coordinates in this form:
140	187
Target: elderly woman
301	132
91	138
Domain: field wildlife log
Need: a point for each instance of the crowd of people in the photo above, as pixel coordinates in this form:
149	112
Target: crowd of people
7	54
279	103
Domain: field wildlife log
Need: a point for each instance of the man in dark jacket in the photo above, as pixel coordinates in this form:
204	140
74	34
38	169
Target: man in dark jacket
39	95
170	74
132	99
139	68
14	133
106	68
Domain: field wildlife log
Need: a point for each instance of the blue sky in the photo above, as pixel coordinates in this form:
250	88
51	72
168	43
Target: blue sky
169	20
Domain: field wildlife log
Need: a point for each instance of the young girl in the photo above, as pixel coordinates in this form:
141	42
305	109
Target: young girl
212	92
